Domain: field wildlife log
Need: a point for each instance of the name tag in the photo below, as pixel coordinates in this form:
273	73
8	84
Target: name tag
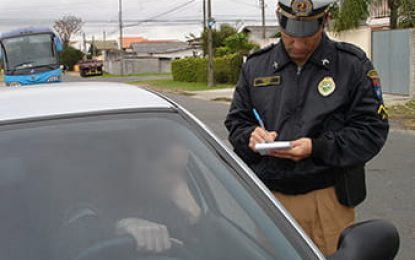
267	81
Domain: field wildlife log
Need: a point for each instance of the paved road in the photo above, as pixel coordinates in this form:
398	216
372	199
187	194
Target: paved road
71	77
390	177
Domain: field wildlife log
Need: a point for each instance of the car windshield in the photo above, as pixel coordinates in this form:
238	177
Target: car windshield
31	51
66	185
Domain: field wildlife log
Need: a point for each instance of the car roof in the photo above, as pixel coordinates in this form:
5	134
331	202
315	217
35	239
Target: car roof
75	98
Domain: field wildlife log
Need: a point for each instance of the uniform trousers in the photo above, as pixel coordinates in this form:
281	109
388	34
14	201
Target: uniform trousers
321	216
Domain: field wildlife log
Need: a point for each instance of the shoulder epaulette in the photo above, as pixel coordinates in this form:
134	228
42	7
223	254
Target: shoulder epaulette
262	51
351	49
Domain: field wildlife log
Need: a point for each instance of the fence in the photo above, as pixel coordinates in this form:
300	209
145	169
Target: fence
394	57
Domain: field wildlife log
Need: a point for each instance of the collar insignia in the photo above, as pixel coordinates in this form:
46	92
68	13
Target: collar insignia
325	62
275	65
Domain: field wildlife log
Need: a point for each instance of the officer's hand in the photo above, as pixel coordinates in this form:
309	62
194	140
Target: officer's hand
150	236
259	136
301	150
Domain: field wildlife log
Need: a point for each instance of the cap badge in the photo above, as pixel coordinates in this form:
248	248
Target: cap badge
327	87
302	7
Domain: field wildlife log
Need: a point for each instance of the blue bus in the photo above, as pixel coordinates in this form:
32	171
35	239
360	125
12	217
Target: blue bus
31	56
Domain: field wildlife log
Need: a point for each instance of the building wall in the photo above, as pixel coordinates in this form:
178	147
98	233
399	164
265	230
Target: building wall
362	37
138	66
180	54
165	66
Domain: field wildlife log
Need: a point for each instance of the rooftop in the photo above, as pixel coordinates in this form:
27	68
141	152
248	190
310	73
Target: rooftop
106	45
157	47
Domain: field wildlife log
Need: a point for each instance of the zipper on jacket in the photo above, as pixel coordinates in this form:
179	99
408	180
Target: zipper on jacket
296	115
299	69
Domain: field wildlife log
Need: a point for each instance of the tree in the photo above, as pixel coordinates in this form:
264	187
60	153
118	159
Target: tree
66	27
394	15
350	14
219	37
407	14
70	56
237	43
93	50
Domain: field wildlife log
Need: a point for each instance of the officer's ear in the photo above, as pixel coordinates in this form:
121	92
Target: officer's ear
278	13
326	20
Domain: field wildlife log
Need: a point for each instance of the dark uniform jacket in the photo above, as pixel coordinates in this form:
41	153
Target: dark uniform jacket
348	127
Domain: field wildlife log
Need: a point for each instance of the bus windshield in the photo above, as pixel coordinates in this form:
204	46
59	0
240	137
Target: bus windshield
29	51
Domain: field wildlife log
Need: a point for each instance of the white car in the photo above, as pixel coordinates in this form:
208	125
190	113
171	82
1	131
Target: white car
111	171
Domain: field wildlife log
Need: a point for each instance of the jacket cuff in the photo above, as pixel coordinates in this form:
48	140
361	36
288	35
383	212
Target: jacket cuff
319	146
246	153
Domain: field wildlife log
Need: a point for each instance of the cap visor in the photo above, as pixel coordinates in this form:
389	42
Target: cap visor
300	28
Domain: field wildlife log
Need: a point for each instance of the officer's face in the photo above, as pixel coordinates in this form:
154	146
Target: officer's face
301	48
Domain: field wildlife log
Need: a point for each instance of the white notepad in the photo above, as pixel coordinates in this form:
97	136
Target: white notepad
265	147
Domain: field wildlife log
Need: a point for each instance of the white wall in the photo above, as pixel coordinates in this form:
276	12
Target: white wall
361	37
138	66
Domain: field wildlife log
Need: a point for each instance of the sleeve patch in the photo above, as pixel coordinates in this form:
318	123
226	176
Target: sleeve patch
382	112
377	89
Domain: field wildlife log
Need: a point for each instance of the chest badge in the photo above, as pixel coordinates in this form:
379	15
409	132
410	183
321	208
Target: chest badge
327	86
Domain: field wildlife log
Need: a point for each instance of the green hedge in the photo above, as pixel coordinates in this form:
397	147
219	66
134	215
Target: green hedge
227	69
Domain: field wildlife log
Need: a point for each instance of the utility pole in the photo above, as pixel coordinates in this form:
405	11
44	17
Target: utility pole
84	46
93	48
262	3
121	35
211	66
204	15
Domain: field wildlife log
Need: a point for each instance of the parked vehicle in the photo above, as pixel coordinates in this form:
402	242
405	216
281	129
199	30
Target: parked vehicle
31	56
82	161
91	68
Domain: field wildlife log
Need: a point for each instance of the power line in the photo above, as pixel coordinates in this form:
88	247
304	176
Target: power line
162	14
244	3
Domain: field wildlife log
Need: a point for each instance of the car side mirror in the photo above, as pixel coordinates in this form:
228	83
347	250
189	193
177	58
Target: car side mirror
375	239
58	44
64	68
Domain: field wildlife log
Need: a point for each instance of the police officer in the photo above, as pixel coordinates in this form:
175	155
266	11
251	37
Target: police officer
325	98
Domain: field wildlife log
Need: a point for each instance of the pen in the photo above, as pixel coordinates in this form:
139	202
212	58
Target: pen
258	118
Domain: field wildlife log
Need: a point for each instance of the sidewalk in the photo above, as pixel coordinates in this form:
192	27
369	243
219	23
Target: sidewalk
226	95
392	99
219	95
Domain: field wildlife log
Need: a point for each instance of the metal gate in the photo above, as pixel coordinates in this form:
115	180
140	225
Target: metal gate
391	54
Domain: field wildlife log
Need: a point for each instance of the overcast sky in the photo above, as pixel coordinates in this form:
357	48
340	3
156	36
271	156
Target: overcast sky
102	15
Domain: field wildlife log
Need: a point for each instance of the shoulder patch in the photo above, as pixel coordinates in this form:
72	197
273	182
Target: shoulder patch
374	77
351	49
262	51
373	74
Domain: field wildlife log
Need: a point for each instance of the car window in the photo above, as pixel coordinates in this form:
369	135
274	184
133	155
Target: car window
67	186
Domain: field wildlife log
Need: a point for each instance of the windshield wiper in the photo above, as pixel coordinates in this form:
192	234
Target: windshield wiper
24	64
